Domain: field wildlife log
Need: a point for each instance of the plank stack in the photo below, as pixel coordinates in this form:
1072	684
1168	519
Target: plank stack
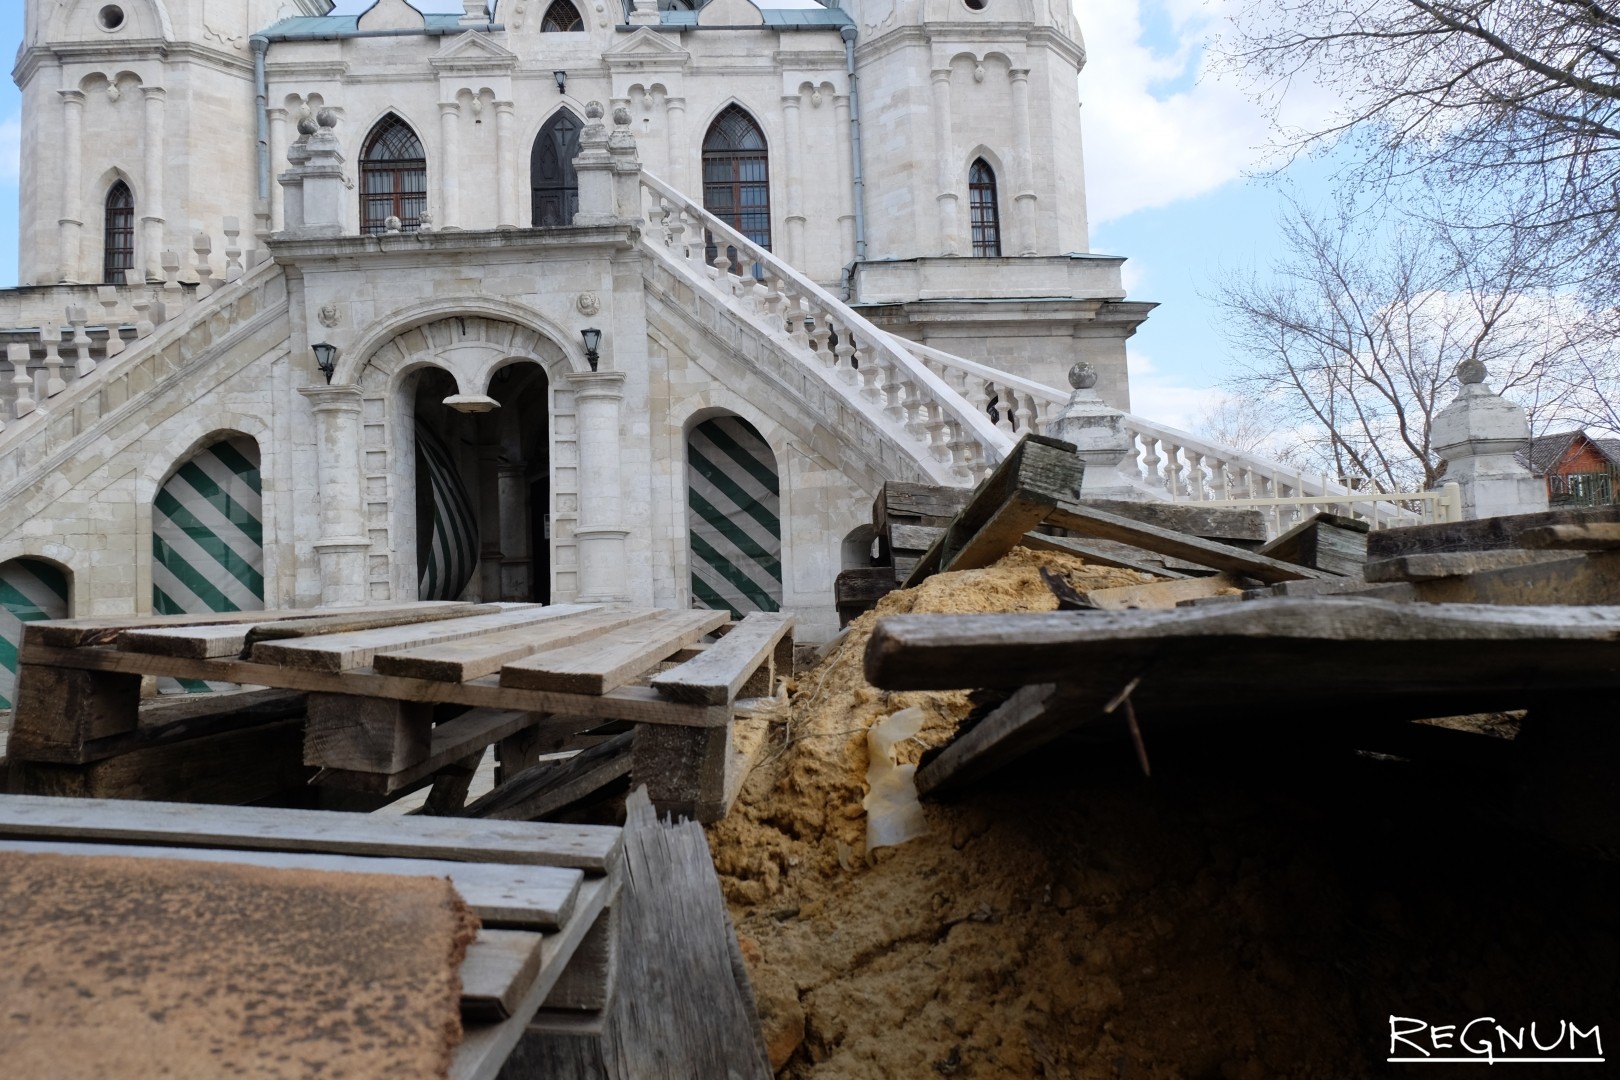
378	702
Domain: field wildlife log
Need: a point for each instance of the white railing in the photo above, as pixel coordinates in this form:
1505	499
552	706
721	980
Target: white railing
1382	511
954	441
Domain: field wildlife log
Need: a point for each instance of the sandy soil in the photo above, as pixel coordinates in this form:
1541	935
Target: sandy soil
1257	909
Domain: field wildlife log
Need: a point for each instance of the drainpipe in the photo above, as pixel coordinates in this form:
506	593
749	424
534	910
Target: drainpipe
857	180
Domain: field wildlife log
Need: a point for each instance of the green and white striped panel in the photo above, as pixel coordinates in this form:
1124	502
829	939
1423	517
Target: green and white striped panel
30	590
447	547
734	507
208	540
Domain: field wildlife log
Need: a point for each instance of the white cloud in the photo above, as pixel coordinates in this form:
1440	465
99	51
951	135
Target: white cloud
1159	126
10	148
1165	399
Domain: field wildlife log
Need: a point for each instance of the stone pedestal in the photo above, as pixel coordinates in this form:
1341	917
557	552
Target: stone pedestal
1097	430
342	547
316	199
621	148
604	570
1477	435
594	168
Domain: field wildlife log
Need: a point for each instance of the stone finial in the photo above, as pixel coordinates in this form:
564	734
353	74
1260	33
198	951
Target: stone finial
593	110
1471	372
391	224
1478	435
621	117
307	126
1083	376
326	118
425	222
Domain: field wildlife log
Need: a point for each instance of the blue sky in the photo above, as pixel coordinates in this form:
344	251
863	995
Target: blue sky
1167	152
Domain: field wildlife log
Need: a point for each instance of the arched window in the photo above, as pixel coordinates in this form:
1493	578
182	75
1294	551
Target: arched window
561	17
393	177
118	235
736	177
982	206
552	180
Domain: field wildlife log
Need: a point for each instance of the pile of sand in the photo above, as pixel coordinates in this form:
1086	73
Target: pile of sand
1237	918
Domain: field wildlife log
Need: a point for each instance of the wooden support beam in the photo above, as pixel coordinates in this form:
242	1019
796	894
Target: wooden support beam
1328	542
176	718
1432	566
367	734
1162	595
1082	519
715	677
551	786
1483	534
452	741
1576	579
58	710
1012	729
684	772
1225	525
1103	553
1586	536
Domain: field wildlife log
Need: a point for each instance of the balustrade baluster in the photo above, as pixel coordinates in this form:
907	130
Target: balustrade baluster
1021	412
819	331
845	352
107	295
675	227
79	317
22	383
173	295
915	409
1195	474
655	214
894	405
51	337
720	267
869	365
1150	461
203	247
233	249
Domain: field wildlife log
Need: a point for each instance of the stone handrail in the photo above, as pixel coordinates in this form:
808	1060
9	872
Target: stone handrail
51	401
955	442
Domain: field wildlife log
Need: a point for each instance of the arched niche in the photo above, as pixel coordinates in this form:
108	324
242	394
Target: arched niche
734	517
31	590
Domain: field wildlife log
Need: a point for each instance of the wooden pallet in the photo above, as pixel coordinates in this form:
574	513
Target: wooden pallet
388	703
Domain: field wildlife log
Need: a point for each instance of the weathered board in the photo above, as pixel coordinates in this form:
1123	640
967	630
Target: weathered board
715	676
1223	524
1328	542
1432	566
608	662
550	786
500	894
497	972
1082	519
450	742
587	847
1103	553
340	652
233	639
1161	595
456	661
1482	534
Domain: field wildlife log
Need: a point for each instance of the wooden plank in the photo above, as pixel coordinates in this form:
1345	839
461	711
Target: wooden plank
1445	564
609	662
902	503
1009	731
1082	519
497	972
715	677
639	704
340	652
1103	553
232	639
1575	579
1324	541
999	534
500	894
455	661
913	538
484	1047
1161	595
1342	654
1586	536
586	984
175	718
1483	534
252	764
451	741
1220	523
552	785
73	633
586	847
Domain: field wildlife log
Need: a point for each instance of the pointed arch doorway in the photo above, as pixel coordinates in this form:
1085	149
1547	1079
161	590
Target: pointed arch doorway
554	186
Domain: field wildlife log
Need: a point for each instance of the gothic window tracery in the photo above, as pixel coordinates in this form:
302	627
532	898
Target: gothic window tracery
736	177
118	234
561	18
985	216
552	180
393	177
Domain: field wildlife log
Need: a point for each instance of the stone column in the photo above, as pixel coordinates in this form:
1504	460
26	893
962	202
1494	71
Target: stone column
1098	433
278	154
1477	435
449	135
679	152
846	171
152	217
71	223
604	571
342	547
1023	170
793	189
505	168
950	240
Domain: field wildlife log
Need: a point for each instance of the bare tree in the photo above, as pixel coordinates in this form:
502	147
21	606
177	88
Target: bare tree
1507	111
1354	336
1250	425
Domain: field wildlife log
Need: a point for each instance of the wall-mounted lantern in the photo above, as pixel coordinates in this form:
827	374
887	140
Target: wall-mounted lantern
592	338
326	359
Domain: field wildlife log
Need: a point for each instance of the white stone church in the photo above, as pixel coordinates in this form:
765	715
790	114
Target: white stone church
548	300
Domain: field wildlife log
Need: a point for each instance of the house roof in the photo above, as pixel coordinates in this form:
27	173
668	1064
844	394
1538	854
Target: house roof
1546	451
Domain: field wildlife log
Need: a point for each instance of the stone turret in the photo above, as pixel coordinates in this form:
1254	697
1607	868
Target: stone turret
1478	435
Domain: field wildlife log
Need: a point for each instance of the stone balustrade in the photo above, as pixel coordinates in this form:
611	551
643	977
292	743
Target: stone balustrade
956	442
